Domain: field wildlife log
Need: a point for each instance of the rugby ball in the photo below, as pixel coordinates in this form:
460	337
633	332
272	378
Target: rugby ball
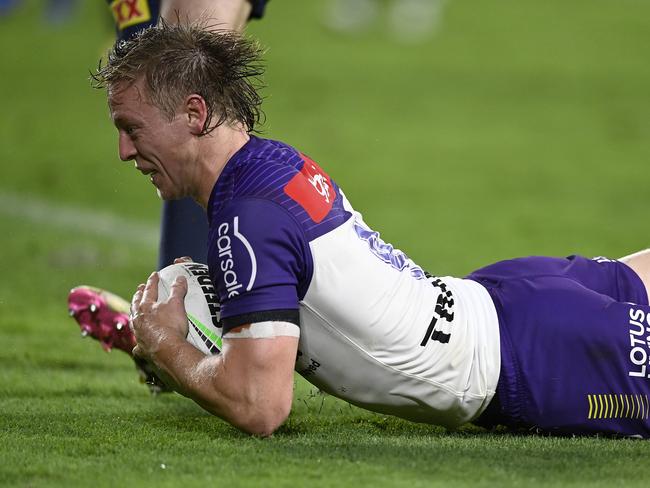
201	304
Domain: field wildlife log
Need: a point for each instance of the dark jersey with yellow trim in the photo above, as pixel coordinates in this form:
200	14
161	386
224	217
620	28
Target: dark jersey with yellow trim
133	15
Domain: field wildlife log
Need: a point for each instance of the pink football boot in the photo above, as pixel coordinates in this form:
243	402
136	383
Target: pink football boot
105	316
102	316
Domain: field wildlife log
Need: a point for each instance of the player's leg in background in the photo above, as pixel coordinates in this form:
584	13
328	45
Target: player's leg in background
184	226
350	16
7	6
183	232
640	263
415	21
222	14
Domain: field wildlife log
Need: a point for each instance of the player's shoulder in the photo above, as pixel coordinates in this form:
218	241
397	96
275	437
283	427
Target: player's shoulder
264	167
265	173
259	169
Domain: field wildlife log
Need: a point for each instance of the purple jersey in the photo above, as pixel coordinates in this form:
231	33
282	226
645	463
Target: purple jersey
286	245
269	202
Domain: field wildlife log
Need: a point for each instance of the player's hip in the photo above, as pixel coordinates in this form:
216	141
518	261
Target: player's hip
574	355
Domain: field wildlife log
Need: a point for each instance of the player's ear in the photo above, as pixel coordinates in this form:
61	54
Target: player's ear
196	111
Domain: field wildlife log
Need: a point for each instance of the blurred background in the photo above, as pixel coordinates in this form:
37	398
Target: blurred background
465	131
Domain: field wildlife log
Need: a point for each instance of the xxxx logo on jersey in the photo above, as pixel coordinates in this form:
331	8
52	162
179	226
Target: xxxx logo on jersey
130	12
312	189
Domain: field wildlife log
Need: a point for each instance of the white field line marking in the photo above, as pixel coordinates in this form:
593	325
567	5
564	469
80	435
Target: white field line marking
104	224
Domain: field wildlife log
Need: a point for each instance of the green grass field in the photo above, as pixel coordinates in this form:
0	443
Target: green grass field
522	127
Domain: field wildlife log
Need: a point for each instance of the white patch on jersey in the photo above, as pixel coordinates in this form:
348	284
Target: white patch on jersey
362	324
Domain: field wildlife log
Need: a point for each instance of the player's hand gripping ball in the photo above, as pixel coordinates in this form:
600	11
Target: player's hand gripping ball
201	304
153	317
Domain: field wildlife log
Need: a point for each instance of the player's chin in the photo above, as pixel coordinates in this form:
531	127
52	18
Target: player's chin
165	193
164	190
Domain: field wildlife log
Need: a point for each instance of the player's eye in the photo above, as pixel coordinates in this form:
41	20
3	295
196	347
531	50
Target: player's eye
130	130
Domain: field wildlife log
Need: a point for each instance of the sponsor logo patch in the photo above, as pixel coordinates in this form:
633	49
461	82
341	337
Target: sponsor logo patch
228	235
639	331
312	189
130	12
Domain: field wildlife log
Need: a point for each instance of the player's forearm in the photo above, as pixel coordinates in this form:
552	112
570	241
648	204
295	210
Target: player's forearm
218	14
231	393
193	374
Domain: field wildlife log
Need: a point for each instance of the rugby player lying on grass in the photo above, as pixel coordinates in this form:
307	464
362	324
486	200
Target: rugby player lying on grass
304	283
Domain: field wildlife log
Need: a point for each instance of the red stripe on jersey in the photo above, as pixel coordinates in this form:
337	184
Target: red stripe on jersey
312	189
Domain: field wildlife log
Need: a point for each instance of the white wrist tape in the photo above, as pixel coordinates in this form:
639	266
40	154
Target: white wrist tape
265	330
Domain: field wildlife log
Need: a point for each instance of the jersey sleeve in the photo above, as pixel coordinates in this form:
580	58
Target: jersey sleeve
259	262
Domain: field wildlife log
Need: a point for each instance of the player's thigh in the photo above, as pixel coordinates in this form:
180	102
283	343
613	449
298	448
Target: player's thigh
640	264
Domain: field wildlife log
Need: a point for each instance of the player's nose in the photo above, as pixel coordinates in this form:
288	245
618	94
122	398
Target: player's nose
126	147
